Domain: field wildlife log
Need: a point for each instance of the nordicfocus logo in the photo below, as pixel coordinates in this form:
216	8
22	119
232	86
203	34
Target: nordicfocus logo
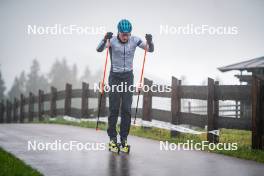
58	145
190	145
59	29
191	29
123	87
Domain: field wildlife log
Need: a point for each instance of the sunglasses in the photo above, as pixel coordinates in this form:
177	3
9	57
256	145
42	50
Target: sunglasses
125	34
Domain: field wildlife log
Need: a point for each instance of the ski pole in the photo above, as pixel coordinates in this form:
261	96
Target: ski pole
102	85
140	82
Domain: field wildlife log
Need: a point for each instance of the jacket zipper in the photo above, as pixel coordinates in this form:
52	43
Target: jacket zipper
124	57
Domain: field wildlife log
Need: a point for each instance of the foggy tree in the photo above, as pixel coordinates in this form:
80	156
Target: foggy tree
74	76
90	78
15	90
2	87
61	73
18	87
36	81
31	84
43	84
86	77
95	78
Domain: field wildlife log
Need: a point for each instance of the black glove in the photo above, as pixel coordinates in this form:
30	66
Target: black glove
108	35
148	38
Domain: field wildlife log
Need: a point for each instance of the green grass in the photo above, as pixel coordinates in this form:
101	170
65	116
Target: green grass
241	137
10	166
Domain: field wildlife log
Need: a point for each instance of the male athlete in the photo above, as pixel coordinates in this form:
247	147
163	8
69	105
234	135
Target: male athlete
122	49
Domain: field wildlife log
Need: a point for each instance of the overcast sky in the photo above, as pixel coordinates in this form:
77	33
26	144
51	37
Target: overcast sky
195	56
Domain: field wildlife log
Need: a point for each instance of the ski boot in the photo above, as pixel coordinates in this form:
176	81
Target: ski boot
113	147
124	147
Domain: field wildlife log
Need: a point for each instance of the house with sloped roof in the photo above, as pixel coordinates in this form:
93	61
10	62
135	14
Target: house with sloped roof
252	66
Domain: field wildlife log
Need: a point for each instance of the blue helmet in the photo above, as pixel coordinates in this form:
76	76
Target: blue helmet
124	26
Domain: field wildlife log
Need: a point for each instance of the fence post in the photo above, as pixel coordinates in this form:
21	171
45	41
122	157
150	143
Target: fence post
31	107
211	120
103	110
147	101
67	102
22	108
216	110
53	104
40	105
2	111
15	110
8	111
175	104
85	103
257	113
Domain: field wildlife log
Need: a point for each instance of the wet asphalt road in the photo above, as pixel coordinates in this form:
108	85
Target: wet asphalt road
145	158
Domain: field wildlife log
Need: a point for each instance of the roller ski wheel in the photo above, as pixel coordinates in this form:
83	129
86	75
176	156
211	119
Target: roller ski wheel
113	147
124	148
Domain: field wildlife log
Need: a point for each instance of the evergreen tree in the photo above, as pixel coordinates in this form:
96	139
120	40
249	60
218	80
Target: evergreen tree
36	81
2	87
86	77
61	73
18	87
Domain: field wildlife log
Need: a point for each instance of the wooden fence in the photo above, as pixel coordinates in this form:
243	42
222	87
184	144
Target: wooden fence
212	94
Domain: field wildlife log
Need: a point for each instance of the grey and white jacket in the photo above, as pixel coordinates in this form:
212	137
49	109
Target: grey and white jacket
122	54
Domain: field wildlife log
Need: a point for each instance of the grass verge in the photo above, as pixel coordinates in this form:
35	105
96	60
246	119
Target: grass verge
10	166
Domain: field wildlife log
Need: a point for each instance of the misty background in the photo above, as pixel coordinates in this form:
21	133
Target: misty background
29	62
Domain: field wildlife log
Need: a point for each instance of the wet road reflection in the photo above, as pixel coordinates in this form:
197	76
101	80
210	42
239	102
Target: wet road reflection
118	165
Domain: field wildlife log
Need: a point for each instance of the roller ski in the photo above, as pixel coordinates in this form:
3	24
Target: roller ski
113	147
124	147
